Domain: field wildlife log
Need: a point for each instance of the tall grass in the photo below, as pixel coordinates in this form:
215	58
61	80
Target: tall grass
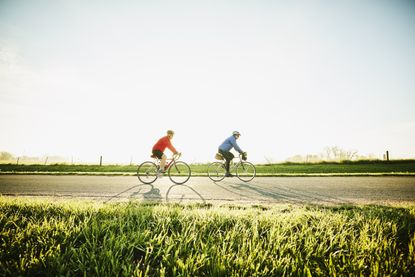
124	239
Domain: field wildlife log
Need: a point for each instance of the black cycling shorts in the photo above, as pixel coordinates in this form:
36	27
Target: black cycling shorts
227	155
158	153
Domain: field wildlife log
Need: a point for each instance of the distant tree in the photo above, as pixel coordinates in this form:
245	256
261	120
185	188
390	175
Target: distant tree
368	157
269	160
6	156
296	159
330	153
335	153
351	155
313	159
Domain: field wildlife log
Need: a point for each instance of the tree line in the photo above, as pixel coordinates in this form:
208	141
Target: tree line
331	154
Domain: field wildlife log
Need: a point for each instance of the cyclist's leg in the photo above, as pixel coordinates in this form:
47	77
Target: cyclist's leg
163	162
228	158
162	157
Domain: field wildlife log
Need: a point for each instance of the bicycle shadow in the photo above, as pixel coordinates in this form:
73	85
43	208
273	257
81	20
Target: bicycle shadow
144	192
183	195
252	191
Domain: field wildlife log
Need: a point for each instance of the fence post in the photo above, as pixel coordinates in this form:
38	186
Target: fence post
387	155
100	161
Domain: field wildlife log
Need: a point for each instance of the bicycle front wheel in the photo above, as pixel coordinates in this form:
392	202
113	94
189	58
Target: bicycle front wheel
179	172
147	172
216	171
245	171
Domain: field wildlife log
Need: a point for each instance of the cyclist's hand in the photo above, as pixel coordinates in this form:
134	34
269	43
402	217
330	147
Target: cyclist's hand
244	156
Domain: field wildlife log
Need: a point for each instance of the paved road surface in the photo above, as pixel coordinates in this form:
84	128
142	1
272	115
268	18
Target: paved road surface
262	190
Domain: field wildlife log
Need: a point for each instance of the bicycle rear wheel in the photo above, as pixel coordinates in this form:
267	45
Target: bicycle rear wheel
216	171
147	172
245	171
179	172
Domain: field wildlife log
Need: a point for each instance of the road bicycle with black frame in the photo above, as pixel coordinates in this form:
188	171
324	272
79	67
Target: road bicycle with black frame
178	171
244	170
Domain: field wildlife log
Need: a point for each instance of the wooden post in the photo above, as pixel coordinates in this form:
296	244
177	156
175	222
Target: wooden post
46	160
387	155
100	161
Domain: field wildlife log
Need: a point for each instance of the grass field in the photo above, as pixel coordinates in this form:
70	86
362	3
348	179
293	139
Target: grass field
396	167
40	237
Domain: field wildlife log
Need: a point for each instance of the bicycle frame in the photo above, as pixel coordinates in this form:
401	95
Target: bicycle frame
233	164
171	160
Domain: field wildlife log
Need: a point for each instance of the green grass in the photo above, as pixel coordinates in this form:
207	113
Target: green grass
397	167
361	167
132	239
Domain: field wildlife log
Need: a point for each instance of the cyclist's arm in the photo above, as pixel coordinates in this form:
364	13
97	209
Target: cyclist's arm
236	146
171	147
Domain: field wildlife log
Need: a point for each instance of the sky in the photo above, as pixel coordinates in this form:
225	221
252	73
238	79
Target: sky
84	79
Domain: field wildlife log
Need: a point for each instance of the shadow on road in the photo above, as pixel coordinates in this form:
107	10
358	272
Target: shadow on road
182	194
147	191
252	191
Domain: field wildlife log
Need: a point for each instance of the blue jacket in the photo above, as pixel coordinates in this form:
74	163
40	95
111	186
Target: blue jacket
230	143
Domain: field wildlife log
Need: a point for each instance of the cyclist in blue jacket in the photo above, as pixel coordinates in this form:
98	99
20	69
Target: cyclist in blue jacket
225	148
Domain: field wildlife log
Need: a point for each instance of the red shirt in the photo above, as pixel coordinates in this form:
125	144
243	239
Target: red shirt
164	143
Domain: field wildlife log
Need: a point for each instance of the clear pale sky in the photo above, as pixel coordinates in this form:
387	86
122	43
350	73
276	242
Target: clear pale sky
91	78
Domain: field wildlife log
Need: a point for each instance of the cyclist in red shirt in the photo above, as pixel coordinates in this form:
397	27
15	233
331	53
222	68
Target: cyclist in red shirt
160	146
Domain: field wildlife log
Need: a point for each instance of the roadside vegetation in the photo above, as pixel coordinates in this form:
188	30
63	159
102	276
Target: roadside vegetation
72	238
365	167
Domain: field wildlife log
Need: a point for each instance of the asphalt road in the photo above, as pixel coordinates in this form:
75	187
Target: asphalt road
262	190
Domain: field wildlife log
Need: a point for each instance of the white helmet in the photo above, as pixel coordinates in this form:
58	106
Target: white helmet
236	133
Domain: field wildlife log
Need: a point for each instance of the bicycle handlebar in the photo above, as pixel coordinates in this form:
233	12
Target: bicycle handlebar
241	156
177	155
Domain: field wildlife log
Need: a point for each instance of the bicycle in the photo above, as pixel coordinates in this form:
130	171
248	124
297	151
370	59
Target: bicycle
245	171
178	171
